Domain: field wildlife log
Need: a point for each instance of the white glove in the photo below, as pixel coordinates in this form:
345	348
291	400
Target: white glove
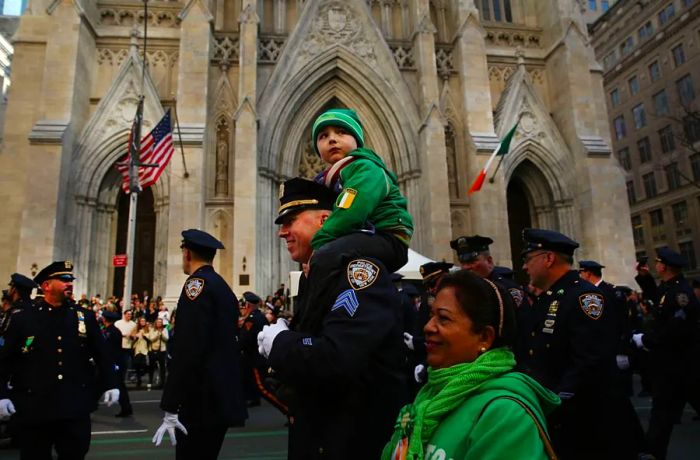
408	340
417	373
637	339
623	362
267	336
111	396
6	409
170	424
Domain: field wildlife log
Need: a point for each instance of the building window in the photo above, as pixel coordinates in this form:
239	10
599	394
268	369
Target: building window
620	128
646	31
678	55
673	176
631	195
661	103
592	5
495	10
688	251
695	166
654	71
611	59
644	147
691	128
604	5
666	137
657	224
666	14
634	85
686	92
627	46
624	156
688	3
640	118
615	97
638	230
680	213
649	185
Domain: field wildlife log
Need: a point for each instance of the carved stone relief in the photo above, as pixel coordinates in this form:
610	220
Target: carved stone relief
310	163
222	154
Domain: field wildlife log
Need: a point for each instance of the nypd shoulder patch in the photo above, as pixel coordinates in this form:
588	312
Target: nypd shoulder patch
193	287
517	295
591	304
682	299
362	273
347	300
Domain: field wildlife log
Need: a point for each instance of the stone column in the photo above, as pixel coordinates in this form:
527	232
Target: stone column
280	16
434	220
245	169
186	208
488	211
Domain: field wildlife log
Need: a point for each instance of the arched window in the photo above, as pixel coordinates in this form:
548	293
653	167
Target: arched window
495	10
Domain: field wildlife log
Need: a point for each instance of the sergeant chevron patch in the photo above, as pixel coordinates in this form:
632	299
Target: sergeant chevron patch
348	301
193	287
362	273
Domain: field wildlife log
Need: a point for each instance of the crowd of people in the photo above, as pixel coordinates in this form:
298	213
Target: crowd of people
467	364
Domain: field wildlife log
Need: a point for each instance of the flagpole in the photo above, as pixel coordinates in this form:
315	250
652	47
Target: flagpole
134	186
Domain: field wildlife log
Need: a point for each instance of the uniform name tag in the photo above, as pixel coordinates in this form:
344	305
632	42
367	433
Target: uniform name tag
548	330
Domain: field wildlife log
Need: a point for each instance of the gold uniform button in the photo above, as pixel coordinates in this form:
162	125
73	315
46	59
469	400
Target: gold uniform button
532	352
60	350
547	345
60	377
60	363
533	334
59	337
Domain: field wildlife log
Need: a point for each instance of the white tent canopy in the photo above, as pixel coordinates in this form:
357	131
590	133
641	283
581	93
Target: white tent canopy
411	271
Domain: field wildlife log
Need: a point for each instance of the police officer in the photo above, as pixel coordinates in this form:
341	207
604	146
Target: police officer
253	366
569	341
202	395
53	358
342	359
18	297
673	345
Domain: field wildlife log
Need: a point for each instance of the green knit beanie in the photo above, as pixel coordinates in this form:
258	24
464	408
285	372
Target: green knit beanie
345	118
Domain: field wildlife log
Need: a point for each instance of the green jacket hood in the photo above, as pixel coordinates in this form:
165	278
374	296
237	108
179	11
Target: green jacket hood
373	157
526	387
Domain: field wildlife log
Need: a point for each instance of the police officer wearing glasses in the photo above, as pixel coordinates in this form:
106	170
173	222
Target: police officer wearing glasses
569	346
55	360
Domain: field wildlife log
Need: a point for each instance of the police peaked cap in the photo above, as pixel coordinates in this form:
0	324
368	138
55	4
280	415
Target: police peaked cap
505	272
111	315
299	194
62	270
547	240
251	297
468	247
197	239
410	290
22	282
670	257
590	265
432	269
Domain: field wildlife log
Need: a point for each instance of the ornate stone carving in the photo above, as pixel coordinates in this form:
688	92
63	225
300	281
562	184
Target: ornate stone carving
443	59
310	163
249	15
337	24
129	16
269	49
403	56
451	150
222	153
513	37
226	49
425	25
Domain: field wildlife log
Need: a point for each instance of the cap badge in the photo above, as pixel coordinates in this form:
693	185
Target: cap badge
193	287
362	273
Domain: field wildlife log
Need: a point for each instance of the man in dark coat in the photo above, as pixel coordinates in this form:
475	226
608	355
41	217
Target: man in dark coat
19	298
343	358
673	342
252	321
54	360
569	346
202	395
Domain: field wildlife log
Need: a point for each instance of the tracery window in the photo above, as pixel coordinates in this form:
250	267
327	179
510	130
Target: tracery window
495	10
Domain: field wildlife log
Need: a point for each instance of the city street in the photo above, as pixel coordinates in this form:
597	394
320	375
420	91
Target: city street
265	436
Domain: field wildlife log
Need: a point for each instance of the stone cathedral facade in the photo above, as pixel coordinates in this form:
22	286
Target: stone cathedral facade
435	82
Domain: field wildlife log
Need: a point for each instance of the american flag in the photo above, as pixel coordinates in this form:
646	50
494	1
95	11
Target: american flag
156	148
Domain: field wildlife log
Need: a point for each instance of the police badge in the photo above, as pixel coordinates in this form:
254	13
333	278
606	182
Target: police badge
517	295
362	273
682	299
591	304
193	287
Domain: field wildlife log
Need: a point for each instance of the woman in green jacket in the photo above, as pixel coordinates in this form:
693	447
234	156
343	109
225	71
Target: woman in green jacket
473	406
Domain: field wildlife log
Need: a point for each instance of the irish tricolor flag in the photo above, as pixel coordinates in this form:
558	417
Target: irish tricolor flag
501	150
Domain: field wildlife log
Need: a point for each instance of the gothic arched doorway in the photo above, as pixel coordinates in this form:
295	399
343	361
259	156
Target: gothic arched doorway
144	254
518	218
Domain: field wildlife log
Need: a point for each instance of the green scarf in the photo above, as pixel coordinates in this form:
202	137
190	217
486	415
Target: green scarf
446	390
